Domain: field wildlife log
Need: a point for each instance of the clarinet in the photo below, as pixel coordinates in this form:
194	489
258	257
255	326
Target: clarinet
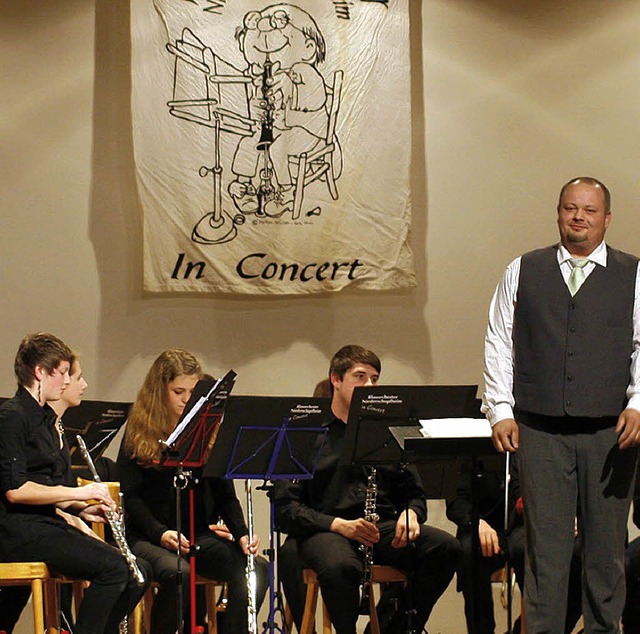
370	515
266	189
116	523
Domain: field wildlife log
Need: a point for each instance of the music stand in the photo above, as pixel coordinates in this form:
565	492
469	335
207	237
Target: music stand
269	438
377	411
97	422
189	446
202	84
417	448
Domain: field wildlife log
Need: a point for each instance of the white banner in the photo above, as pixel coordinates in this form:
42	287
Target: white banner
272	144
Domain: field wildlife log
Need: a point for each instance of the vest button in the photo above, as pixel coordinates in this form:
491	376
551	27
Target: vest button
570	353
572	329
567	403
572	305
570	377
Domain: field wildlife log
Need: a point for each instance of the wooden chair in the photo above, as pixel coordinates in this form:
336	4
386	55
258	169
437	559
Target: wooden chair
37	575
323	162
141	617
500	576
142	613
380	575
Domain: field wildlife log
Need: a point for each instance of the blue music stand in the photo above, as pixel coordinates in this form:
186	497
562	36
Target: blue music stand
269	438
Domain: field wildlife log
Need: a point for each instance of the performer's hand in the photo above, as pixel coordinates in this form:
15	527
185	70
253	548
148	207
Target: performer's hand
250	548
489	543
169	540
281	86
628	428
400	538
77	522
505	435
95	513
221	530
359	530
97	492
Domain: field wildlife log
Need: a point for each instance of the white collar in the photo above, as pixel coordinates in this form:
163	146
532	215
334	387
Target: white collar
597	256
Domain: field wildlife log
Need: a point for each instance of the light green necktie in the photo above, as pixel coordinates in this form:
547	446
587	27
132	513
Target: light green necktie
577	276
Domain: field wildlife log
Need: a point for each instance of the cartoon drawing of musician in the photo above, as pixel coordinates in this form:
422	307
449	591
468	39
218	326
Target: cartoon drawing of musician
282	46
280	108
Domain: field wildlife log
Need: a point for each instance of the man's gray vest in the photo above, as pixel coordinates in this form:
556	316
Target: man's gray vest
572	354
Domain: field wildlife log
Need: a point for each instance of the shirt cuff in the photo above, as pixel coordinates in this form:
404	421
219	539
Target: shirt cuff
634	402
501	411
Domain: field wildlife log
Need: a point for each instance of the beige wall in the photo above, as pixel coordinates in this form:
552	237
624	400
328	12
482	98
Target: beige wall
509	101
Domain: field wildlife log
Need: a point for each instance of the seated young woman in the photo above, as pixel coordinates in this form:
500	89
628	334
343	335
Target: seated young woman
151	504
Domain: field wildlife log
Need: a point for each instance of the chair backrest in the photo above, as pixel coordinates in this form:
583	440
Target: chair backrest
114	492
335	92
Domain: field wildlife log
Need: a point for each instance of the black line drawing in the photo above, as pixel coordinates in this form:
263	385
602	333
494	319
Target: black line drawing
280	107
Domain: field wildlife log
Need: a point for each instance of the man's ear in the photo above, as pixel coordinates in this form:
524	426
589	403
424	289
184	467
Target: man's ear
335	380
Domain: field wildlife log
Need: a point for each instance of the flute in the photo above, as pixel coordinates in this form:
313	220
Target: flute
250	572
115	522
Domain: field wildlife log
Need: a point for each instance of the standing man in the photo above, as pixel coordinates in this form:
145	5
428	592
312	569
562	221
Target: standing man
326	516
563	388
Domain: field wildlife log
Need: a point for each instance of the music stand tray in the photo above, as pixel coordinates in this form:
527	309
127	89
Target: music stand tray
375	409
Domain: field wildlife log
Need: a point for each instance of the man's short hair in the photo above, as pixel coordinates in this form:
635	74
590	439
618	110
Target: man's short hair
350	355
40	348
589	180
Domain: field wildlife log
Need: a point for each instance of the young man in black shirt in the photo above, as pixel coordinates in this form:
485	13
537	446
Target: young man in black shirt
325	515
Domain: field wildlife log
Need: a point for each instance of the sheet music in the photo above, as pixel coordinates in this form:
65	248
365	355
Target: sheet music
455	428
175	434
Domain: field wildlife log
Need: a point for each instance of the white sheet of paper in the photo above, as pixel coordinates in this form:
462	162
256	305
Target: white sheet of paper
455	428
190	414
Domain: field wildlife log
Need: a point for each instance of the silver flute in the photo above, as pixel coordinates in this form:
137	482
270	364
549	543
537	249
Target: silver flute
250	572
116	522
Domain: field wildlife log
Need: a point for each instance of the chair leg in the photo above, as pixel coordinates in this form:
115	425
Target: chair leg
51	607
373	613
37	597
330	177
326	619
299	186
310	603
288	619
212	611
138	617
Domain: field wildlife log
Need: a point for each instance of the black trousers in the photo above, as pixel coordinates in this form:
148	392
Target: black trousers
112	593
290	574
431	561
474	580
218	559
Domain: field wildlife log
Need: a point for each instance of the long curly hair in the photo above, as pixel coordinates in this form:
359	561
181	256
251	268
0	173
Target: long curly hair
150	419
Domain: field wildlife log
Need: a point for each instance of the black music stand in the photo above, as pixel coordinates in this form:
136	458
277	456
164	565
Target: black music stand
418	449
189	446
269	438
97	422
379	414
375	411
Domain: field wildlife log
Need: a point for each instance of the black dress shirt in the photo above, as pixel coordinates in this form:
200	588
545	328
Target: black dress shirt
29	451
150	502
305	507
